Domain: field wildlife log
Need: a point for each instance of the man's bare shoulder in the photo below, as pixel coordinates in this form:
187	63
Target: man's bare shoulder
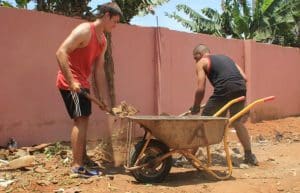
82	29
202	63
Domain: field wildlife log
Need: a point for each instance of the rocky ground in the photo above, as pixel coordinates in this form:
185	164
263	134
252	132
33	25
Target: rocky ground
276	144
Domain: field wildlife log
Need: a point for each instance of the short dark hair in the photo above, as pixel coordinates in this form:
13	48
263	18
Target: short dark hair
111	7
201	48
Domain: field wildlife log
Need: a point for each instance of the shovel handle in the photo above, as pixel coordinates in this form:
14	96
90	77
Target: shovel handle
95	100
188	112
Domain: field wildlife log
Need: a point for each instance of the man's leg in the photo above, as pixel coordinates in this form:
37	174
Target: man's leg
242	134
78	140
244	138
241	130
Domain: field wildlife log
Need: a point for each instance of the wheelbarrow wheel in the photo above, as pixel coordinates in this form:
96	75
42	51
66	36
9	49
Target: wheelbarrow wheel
155	172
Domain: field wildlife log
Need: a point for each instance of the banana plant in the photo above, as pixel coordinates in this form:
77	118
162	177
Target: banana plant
19	4
270	21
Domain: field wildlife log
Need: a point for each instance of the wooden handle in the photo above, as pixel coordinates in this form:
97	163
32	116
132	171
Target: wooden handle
95	100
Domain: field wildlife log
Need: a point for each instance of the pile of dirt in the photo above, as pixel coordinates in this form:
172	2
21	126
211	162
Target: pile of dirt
124	110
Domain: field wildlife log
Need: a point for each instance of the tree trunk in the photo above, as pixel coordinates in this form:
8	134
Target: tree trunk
110	71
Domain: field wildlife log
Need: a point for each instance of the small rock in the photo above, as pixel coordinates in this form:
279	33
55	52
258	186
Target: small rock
293	171
296	140
73	190
244	166
63	154
236	159
5	183
89	181
3	154
24	182
43	182
54	181
12	144
280	189
236	150
61	190
21	153
74	175
260	138
270	159
67	160
111	177
40	170
278	136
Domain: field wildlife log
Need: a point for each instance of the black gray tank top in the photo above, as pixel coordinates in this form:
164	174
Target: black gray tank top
224	75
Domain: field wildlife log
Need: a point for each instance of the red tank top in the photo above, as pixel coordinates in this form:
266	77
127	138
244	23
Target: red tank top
81	61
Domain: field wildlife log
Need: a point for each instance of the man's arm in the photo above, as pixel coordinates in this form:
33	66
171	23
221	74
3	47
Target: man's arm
242	72
201	79
73	41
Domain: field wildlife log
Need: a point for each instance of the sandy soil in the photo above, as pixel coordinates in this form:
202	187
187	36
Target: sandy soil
275	143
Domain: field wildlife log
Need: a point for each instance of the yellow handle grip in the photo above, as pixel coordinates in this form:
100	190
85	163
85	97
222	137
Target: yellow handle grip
248	107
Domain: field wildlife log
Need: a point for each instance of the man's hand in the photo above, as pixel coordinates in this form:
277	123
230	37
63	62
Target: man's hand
103	106
75	86
195	109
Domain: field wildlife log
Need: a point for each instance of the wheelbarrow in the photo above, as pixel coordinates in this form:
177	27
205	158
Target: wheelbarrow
151	159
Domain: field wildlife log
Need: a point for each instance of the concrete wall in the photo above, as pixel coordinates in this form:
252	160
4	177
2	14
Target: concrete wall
154	71
273	70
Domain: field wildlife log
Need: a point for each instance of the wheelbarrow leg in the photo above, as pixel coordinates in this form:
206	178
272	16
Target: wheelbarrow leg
148	138
200	166
208	156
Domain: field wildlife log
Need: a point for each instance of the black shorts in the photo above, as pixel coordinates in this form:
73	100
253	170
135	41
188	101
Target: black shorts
215	103
76	103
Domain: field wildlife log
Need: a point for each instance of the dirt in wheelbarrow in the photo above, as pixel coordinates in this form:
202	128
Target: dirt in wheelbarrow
276	144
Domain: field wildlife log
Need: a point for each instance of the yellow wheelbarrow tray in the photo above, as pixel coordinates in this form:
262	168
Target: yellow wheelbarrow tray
166	135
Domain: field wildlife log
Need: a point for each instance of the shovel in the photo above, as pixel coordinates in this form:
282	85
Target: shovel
189	112
98	102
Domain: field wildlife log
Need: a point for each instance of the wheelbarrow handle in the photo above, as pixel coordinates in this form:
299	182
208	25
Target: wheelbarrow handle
269	98
240	99
248	107
227	105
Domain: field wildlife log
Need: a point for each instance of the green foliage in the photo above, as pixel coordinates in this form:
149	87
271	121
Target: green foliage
19	4
5	4
72	8
53	149
132	8
22	3
270	21
80	8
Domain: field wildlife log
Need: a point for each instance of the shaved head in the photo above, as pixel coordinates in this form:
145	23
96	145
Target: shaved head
199	51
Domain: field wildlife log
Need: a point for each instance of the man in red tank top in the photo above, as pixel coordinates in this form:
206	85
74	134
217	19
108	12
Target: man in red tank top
83	48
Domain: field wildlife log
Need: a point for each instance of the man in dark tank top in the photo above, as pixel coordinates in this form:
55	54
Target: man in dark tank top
229	82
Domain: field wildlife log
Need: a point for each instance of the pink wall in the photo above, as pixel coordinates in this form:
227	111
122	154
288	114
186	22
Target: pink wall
154	73
134	67
273	70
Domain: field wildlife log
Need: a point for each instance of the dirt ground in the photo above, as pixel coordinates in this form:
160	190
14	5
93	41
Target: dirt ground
276	144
